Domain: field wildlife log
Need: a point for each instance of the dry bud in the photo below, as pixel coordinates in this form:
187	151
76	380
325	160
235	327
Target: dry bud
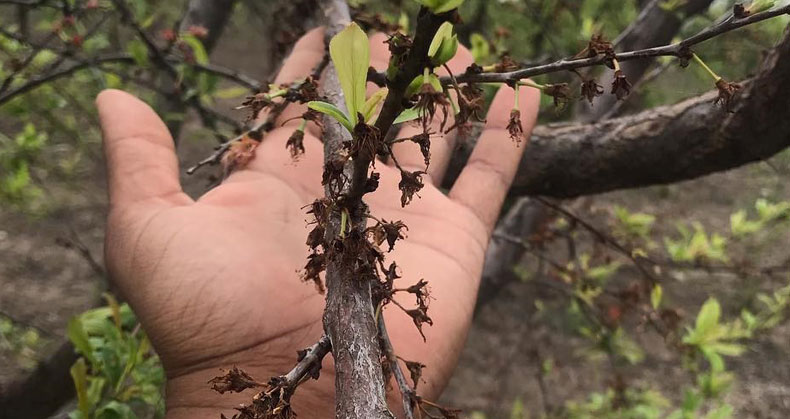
621	87
590	90
234	381
410	184
560	92
514	126
727	92
295	144
239	155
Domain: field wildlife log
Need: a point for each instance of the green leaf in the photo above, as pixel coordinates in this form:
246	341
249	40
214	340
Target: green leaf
350	53
407	115
115	410
480	48
444	31
708	317
79	338
201	56
440	6
79	373
369	109
655	296
333	111
138	51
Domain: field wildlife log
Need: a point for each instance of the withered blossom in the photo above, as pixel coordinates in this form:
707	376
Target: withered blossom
316	263
599	45
621	87
366	141
255	103
420	291
505	64
424	141
727	92
410	183
591	89
316	236
419	315
399	45
307	92
333	175
391	232
295	144
470	105
372	183
428	100
560	92
239	155
415	370
234	381
514	127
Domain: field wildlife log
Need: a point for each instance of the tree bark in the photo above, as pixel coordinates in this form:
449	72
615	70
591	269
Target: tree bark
349	318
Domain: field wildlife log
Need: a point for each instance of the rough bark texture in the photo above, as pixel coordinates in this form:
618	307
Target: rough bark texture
653	27
662	145
349	317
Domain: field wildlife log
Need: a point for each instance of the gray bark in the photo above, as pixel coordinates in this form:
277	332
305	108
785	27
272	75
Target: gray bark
349	318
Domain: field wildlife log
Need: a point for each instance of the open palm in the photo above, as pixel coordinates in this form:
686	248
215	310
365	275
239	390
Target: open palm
215	281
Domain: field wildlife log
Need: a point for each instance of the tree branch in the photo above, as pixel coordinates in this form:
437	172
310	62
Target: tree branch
674	50
658	146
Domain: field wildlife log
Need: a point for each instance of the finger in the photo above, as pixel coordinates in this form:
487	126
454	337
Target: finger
140	153
307	53
408	153
484	182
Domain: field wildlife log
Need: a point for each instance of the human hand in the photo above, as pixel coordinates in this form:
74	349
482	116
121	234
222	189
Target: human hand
215	281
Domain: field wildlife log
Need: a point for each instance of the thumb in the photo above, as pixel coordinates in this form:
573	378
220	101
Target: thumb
140	153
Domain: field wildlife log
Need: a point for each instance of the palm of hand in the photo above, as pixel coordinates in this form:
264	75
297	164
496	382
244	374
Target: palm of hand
215	281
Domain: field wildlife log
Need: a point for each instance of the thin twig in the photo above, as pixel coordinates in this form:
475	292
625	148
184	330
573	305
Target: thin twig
407	393
674	50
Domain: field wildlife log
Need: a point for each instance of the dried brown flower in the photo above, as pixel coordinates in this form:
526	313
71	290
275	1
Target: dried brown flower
599	45
410	183
419	315
372	183
727	92
428	100
234	381
591	89
514	126
560	92
239	155
316	263
295	144
366	141
621	87
470	105
415	370
505	64
255	104
389	231
333	175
